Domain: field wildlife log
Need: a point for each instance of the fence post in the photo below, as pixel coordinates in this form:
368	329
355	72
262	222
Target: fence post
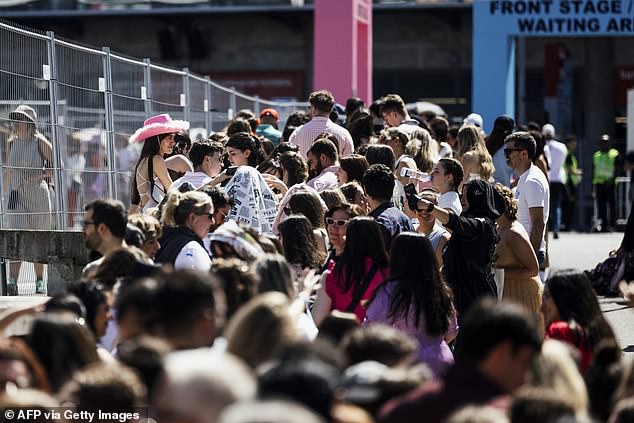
109	123
147	95
232	104
187	95
60	222
207	105
256	106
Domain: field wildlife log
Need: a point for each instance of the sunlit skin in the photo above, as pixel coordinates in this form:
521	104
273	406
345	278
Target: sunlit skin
201	223
220	214
167	145
337	234
391	119
440	180
342	176
238	157
92	240
215	164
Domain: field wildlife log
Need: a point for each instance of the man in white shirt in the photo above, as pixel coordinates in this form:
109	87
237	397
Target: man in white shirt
322	162
321	104
206	157
556	152
395	114
532	192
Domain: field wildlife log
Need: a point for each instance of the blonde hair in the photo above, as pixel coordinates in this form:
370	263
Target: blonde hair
260	328
470	140
510	203
149	225
555	368
422	148
179	205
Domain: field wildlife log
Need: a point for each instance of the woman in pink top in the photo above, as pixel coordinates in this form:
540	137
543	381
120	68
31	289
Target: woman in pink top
363	255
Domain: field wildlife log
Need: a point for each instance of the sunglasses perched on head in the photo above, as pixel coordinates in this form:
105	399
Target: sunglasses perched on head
337	222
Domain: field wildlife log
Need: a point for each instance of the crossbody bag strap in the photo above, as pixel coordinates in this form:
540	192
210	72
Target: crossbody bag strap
362	289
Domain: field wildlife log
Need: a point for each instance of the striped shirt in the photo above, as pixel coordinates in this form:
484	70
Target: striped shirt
305	135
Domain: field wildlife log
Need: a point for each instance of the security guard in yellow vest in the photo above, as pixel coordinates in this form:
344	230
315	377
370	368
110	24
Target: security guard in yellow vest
605	165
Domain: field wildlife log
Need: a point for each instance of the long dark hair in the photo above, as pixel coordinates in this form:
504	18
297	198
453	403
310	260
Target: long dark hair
244	141
576	301
355	166
151	147
308	204
298	242
419	287
363	240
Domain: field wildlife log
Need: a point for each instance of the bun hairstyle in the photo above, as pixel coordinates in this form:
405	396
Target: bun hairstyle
179	205
244	141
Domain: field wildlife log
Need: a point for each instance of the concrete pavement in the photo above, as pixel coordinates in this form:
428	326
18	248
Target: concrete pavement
583	251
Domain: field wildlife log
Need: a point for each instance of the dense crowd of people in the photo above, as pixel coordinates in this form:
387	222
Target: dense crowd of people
381	266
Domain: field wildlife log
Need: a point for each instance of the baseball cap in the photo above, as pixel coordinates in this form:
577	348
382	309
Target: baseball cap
473	119
270	112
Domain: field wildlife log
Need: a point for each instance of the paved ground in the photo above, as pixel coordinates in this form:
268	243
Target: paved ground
584	251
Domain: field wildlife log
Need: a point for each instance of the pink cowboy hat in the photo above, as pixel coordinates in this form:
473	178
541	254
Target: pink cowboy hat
157	125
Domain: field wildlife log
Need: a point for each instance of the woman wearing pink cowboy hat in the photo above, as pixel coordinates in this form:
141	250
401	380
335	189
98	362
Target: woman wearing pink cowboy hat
151	177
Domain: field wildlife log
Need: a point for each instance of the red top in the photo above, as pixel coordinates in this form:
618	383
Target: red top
341	300
574	335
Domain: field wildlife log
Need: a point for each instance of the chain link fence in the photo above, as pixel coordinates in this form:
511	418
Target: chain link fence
66	113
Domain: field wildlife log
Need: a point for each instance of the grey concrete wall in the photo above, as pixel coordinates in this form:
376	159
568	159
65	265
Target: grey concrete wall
64	252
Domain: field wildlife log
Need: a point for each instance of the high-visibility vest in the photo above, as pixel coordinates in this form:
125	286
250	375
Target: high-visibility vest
604	162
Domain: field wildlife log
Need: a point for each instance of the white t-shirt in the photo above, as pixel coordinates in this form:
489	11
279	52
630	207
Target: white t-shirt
450	200
193	257
558	152
532	191
197	179
445	150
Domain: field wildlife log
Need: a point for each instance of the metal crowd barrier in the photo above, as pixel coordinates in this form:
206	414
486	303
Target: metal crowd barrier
88	101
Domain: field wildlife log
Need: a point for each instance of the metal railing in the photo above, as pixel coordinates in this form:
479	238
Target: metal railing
88	102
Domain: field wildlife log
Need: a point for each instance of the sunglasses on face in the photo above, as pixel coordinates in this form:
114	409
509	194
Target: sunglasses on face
337	222
210	216
508	150
288	211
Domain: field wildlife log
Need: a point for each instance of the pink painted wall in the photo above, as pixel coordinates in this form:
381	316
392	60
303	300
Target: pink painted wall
343	48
